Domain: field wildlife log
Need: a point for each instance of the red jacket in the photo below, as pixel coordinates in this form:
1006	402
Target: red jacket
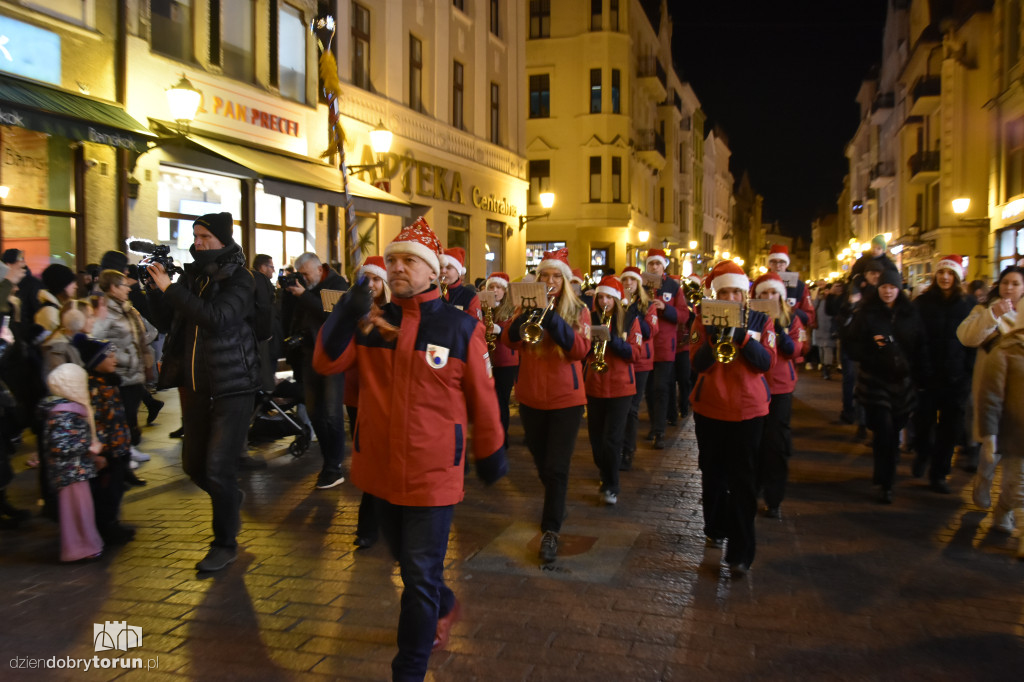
645	363
790	346
620	379
417	395
668	319
464	297
351	387
550	372
739	390
503	356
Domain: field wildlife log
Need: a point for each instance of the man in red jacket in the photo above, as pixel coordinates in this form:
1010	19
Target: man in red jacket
663	377
418	390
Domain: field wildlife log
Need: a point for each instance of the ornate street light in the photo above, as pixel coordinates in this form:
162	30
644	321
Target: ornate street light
547	200
183	100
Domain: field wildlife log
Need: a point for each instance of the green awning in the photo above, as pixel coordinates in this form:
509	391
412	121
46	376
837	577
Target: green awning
57	112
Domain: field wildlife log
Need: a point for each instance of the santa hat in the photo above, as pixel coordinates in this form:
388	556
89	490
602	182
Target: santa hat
71	382
559	260
656	254
577	276
769	281
420	241
499	278
633	272
954	263
374	265
728	275
456	257
778	252
611	286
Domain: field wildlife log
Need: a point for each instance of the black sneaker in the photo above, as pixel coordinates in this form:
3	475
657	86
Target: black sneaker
177	433
154	412
659	442
739	569
549	546
626	463
218	558
329	479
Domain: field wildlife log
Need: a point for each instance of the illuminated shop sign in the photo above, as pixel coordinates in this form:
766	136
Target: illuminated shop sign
264	120
29	51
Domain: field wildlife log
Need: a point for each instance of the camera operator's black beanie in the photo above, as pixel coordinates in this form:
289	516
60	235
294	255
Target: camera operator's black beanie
220	226
114	260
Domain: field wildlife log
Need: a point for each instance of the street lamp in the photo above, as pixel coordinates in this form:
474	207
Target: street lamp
183	101
644	235
547	200
960	206
693	245
380	142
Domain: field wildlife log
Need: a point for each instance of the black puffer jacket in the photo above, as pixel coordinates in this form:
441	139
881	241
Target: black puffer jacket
892	367
309	315
211	347
950	364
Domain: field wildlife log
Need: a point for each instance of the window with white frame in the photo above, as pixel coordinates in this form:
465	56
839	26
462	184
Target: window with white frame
291	49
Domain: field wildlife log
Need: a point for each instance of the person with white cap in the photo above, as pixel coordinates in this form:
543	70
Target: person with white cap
730	402
462	296
504	359
638	308
423	378
798	297
942	398
662	379
551	391
610	390
777	439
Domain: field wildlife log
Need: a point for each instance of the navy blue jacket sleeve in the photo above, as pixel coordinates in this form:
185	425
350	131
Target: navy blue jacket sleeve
561	332
621	347
756	355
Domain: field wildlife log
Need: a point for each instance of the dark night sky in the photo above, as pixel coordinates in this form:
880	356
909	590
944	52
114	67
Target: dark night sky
780	77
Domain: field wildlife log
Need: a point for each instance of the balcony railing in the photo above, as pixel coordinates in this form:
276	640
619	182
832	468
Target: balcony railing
650	67
881	174
650	141
883	100
927	86
924	162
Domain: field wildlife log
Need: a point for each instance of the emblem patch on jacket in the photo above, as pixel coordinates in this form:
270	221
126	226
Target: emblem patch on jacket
437	356
667	296
695	337
771	339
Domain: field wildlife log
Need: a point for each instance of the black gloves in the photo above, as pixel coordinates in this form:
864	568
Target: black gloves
356	303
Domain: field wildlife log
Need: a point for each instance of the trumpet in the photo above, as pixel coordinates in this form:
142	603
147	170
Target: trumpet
694	292
444	286
488	328
599	365
725	349
531	331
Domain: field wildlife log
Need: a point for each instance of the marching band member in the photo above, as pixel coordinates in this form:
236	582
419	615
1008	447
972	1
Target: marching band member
611	388
646	315
777	440
424	376
375	271
504	360
730	402
550	389
663	378
798	297
462	296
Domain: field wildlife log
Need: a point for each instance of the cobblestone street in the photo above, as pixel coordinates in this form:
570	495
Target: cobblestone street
842	588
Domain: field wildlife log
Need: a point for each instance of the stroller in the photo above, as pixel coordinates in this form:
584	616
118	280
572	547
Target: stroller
277	416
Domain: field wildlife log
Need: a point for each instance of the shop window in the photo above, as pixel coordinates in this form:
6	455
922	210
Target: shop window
78	11
535	252
494	247
617	179
360	46
595	14
183	195
171	28
616	98
540	18
415	73
458	95
595	179
291	61
236	38
540	96
38	174
598	260
281	226
495	114
540	179
595	91
1010	246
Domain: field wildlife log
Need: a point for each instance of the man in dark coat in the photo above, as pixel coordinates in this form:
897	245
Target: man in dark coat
210	356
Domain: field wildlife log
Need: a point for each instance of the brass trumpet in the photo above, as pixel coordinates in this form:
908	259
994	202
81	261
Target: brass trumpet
531	331
725	349
600	347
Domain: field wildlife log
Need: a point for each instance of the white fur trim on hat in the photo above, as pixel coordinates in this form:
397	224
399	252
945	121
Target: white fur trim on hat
374	270
957	268
778	255
415	249
730	280
657	257
609	291
630	273
767	284
497	280
558	265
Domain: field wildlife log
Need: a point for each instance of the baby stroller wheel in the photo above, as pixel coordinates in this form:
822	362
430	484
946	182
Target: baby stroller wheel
296	449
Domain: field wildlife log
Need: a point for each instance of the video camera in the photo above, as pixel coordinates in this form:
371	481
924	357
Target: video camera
290	280
153	254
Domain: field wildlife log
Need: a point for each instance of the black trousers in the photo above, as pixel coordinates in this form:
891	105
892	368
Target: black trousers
325	402
682	382
726	452
775	451
107	490
215	432
939	425
633	416
504	380
551	438
131	396
659	387
606	426
885	428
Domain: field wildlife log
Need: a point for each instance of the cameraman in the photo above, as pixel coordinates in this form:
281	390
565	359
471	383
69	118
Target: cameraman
323	394
210	355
